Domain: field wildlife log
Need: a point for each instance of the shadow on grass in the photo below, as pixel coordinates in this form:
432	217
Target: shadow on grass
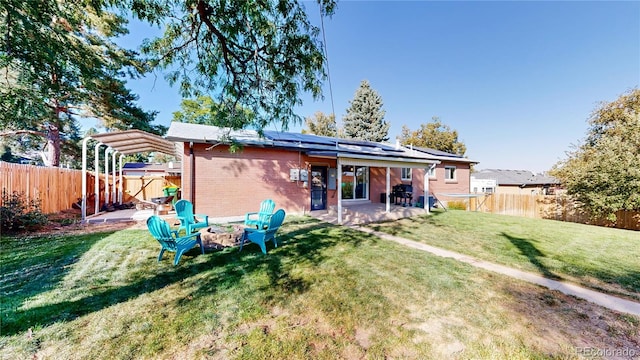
399	227
306	244
532	253
28	263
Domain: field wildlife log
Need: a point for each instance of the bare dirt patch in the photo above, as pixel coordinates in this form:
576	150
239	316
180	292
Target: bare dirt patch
68	223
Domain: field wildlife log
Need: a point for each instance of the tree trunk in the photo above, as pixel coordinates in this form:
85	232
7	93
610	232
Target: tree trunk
53	145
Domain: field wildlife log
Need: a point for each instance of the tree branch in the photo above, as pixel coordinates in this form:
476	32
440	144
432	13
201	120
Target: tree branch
19	132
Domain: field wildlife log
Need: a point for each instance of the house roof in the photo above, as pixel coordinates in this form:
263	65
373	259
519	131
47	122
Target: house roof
313	145
515	177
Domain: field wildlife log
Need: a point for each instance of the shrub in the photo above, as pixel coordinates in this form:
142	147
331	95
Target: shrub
456	205
17	213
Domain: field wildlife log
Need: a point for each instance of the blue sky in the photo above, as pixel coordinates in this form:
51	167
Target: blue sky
517	80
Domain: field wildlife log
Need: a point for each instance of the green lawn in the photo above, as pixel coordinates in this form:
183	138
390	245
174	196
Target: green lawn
606	259
326	292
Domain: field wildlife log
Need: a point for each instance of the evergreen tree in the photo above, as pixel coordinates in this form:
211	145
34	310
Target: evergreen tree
434	135
365	116
321	124
58	62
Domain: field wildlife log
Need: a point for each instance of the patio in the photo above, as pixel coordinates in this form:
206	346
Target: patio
366	213
351	215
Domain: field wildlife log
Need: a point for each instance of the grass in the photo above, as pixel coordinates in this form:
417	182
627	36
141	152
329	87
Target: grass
605	259
326	292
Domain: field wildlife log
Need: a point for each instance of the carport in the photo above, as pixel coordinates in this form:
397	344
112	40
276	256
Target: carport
118	142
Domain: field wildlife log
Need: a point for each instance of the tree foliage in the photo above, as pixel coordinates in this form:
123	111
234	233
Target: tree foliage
58	62
201	110
604	172
434	135
321	124
257	56
365	117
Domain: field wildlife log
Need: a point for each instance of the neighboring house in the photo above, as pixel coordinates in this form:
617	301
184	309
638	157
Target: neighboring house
151	169
513	182
303	172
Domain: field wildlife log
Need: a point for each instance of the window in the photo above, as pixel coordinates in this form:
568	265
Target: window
355	182
432	172
406	174
450	173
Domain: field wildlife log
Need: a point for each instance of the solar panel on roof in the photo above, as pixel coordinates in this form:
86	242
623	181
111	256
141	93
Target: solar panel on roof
322	140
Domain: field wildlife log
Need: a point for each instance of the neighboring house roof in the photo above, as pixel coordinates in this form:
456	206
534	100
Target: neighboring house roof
313	145
174	167
515	177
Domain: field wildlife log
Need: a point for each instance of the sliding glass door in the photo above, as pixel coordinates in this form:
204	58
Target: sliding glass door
355	182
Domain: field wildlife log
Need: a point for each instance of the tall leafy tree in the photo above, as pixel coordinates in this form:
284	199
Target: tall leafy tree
256	56
365	117
321	124
434	135
58	62
201	110
603	173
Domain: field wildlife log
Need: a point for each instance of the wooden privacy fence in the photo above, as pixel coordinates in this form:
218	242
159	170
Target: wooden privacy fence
555	207
58	189
147	187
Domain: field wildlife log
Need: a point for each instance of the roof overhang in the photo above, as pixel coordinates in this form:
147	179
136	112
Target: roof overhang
377	161
135	141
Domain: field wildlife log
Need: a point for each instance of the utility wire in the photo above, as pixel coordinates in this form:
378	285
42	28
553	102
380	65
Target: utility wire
326	57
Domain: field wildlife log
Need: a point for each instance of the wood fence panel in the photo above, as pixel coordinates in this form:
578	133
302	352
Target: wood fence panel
145	188
553	207
58	189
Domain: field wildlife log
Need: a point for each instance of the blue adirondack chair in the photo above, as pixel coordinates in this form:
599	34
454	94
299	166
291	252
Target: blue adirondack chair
169	238
260	219
261	236
184	213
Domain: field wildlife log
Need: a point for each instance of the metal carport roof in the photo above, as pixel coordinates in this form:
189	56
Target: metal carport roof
135	141
124	142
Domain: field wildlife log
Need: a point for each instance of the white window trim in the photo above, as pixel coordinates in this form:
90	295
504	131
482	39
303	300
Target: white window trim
446	172
431	172
402	173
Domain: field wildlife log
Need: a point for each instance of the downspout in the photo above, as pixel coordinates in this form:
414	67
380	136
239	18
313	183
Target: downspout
192	175
84	178
96	185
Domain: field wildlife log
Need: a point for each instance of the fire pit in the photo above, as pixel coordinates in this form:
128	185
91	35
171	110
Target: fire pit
218	237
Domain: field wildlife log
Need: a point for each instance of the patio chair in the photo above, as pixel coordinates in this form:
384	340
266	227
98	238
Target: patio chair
260	219
188	221
169	238
261	236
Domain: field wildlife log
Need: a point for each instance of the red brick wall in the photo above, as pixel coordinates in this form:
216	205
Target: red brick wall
232	184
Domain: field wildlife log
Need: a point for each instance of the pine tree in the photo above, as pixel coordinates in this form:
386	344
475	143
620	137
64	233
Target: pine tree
365	116
59	62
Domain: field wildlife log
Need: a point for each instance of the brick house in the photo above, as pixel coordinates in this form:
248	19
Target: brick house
303	172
